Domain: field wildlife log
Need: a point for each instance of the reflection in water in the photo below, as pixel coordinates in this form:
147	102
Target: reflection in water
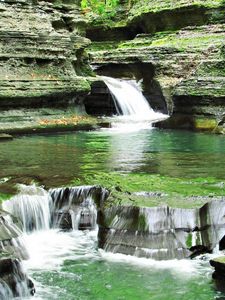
56	159
127	150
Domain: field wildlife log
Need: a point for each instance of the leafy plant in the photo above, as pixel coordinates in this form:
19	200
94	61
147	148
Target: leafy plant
101	7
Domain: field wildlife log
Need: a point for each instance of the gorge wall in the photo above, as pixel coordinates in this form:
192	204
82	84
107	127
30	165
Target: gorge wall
177	47
43	64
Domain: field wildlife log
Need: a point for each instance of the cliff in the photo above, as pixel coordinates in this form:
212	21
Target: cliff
43	64
46	48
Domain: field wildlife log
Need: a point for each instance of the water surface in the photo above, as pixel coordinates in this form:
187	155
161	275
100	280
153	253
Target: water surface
68	266
54	160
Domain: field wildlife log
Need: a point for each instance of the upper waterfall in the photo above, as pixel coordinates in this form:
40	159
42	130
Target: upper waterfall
129	100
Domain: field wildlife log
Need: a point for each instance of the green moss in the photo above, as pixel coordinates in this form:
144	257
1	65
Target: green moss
101	46
4	196
205	124
196	40
143	6
142	222
189	240
176	192
212	69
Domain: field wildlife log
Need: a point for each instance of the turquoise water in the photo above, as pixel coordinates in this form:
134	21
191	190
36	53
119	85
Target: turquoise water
54	160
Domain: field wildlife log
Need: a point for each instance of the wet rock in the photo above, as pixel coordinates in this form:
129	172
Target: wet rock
198	250
76	207
219	265
222	244
11	244
5	137
13	280
65	197
219	273
159	232
162	232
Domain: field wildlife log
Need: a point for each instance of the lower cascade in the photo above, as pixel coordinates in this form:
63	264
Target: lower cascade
163	233
36	210
36	219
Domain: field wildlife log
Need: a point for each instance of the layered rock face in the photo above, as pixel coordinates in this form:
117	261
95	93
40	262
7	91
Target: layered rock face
162	232
42	58
178	49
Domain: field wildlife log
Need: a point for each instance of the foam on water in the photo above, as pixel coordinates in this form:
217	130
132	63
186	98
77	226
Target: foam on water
48	249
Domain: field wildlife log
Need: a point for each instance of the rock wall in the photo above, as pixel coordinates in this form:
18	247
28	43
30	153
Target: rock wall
43	63
13	280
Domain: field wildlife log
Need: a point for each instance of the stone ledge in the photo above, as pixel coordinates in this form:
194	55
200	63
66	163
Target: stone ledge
4	137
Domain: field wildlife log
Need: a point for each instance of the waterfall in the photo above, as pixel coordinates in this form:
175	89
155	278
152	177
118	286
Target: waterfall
75	207
66	208
32	206
129	100
43	213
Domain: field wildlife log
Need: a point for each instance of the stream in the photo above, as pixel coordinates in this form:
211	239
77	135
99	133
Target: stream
68	265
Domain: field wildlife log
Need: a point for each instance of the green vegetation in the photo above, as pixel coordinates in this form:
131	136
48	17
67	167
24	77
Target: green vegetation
175	192
101	46
4	197
196	40
220	259
105	8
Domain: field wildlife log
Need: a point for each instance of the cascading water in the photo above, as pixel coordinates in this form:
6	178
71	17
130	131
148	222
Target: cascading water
60	259
46	245
75	208
33	206
130	102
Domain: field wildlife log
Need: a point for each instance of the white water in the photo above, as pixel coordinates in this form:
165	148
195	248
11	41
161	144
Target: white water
131	104
32	206
87	207
50	249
